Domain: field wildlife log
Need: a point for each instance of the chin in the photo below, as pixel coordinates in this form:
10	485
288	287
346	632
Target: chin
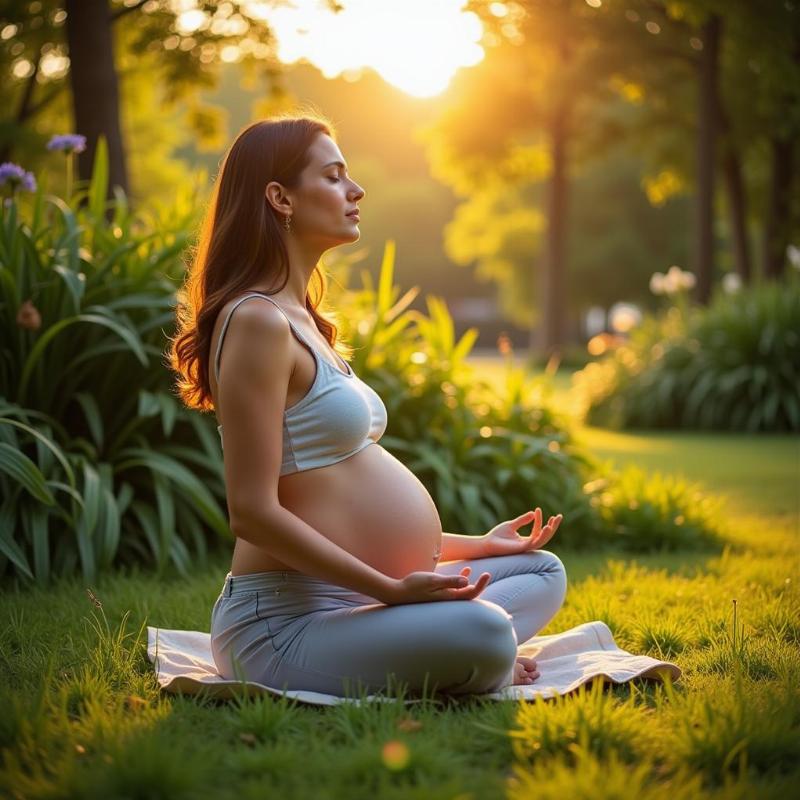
335	241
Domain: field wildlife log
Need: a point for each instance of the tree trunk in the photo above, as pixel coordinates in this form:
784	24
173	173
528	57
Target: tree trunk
550	338
778	222
737	199
732	171
95	89
707	129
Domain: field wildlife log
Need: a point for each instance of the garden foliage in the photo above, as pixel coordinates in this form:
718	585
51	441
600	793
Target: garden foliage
99	462
101	466
732	366
486	456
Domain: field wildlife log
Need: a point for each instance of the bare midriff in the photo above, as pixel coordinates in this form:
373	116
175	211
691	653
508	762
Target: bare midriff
370	504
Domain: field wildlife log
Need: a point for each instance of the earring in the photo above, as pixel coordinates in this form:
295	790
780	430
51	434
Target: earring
287	224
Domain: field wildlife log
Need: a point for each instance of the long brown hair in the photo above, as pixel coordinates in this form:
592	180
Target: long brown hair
240	243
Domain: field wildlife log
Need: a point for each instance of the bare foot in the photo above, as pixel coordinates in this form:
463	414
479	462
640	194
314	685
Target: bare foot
525	671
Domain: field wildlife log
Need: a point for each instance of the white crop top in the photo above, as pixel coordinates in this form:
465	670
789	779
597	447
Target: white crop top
339	416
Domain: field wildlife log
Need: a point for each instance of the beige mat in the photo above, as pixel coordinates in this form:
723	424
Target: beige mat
184	665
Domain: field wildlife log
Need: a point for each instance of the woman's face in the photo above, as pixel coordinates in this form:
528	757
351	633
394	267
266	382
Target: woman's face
324	196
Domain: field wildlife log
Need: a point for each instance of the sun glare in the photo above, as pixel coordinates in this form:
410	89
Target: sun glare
416	45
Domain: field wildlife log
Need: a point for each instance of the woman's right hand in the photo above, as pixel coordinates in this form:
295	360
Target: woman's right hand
425	587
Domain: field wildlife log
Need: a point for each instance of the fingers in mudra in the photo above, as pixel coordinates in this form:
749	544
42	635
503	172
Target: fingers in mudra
540	536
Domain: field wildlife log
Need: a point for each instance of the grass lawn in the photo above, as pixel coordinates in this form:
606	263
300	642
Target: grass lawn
82	716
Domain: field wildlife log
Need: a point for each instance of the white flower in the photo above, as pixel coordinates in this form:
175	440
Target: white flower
793	254
624	316
657	283
674	272
672	280
731	283
677	280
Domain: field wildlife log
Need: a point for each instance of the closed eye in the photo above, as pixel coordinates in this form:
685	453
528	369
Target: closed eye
335	180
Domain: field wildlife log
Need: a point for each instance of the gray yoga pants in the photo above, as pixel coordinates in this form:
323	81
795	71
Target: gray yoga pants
292	631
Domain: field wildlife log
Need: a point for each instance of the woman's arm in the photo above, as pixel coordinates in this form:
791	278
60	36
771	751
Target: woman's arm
456	546
502	539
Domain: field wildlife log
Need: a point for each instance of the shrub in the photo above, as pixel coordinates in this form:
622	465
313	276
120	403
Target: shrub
478	454
487	456
645	513
732	366
98	461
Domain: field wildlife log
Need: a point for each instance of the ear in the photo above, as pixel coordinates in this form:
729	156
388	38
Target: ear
275	195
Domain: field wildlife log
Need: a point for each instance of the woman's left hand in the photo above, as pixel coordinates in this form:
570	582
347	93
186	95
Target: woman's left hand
502	540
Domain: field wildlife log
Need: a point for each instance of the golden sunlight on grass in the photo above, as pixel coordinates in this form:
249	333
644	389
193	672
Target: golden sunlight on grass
599	438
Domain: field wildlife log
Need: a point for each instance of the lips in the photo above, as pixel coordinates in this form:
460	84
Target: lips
354	214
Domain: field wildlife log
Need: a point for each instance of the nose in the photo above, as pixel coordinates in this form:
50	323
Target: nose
357	192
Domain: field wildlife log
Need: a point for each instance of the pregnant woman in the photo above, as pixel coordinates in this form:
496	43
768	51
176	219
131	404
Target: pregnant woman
341	575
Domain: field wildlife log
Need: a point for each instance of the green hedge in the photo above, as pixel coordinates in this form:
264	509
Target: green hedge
732	366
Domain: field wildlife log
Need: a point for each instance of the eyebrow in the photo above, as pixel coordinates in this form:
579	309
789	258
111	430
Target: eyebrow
337	163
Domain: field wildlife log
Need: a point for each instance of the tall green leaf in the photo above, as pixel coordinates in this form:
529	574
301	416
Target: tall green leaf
22	470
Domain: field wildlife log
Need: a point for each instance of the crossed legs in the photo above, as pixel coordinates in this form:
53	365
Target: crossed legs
452	646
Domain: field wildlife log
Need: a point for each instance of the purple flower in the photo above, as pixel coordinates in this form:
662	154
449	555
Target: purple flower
14	175
68	143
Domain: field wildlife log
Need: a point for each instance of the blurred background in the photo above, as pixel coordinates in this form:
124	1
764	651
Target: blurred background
535	162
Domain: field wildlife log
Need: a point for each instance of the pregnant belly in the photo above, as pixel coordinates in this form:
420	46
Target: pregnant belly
370	504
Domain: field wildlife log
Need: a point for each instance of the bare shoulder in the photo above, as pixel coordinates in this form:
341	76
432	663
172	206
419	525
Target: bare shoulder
253	311
256	329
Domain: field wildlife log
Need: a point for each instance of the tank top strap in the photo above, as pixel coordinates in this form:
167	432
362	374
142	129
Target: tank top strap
228	319
314	350
291	324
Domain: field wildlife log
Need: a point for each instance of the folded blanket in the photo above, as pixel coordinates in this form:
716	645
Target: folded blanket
184	665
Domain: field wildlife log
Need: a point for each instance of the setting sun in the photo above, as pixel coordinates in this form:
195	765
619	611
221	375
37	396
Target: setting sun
415	45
